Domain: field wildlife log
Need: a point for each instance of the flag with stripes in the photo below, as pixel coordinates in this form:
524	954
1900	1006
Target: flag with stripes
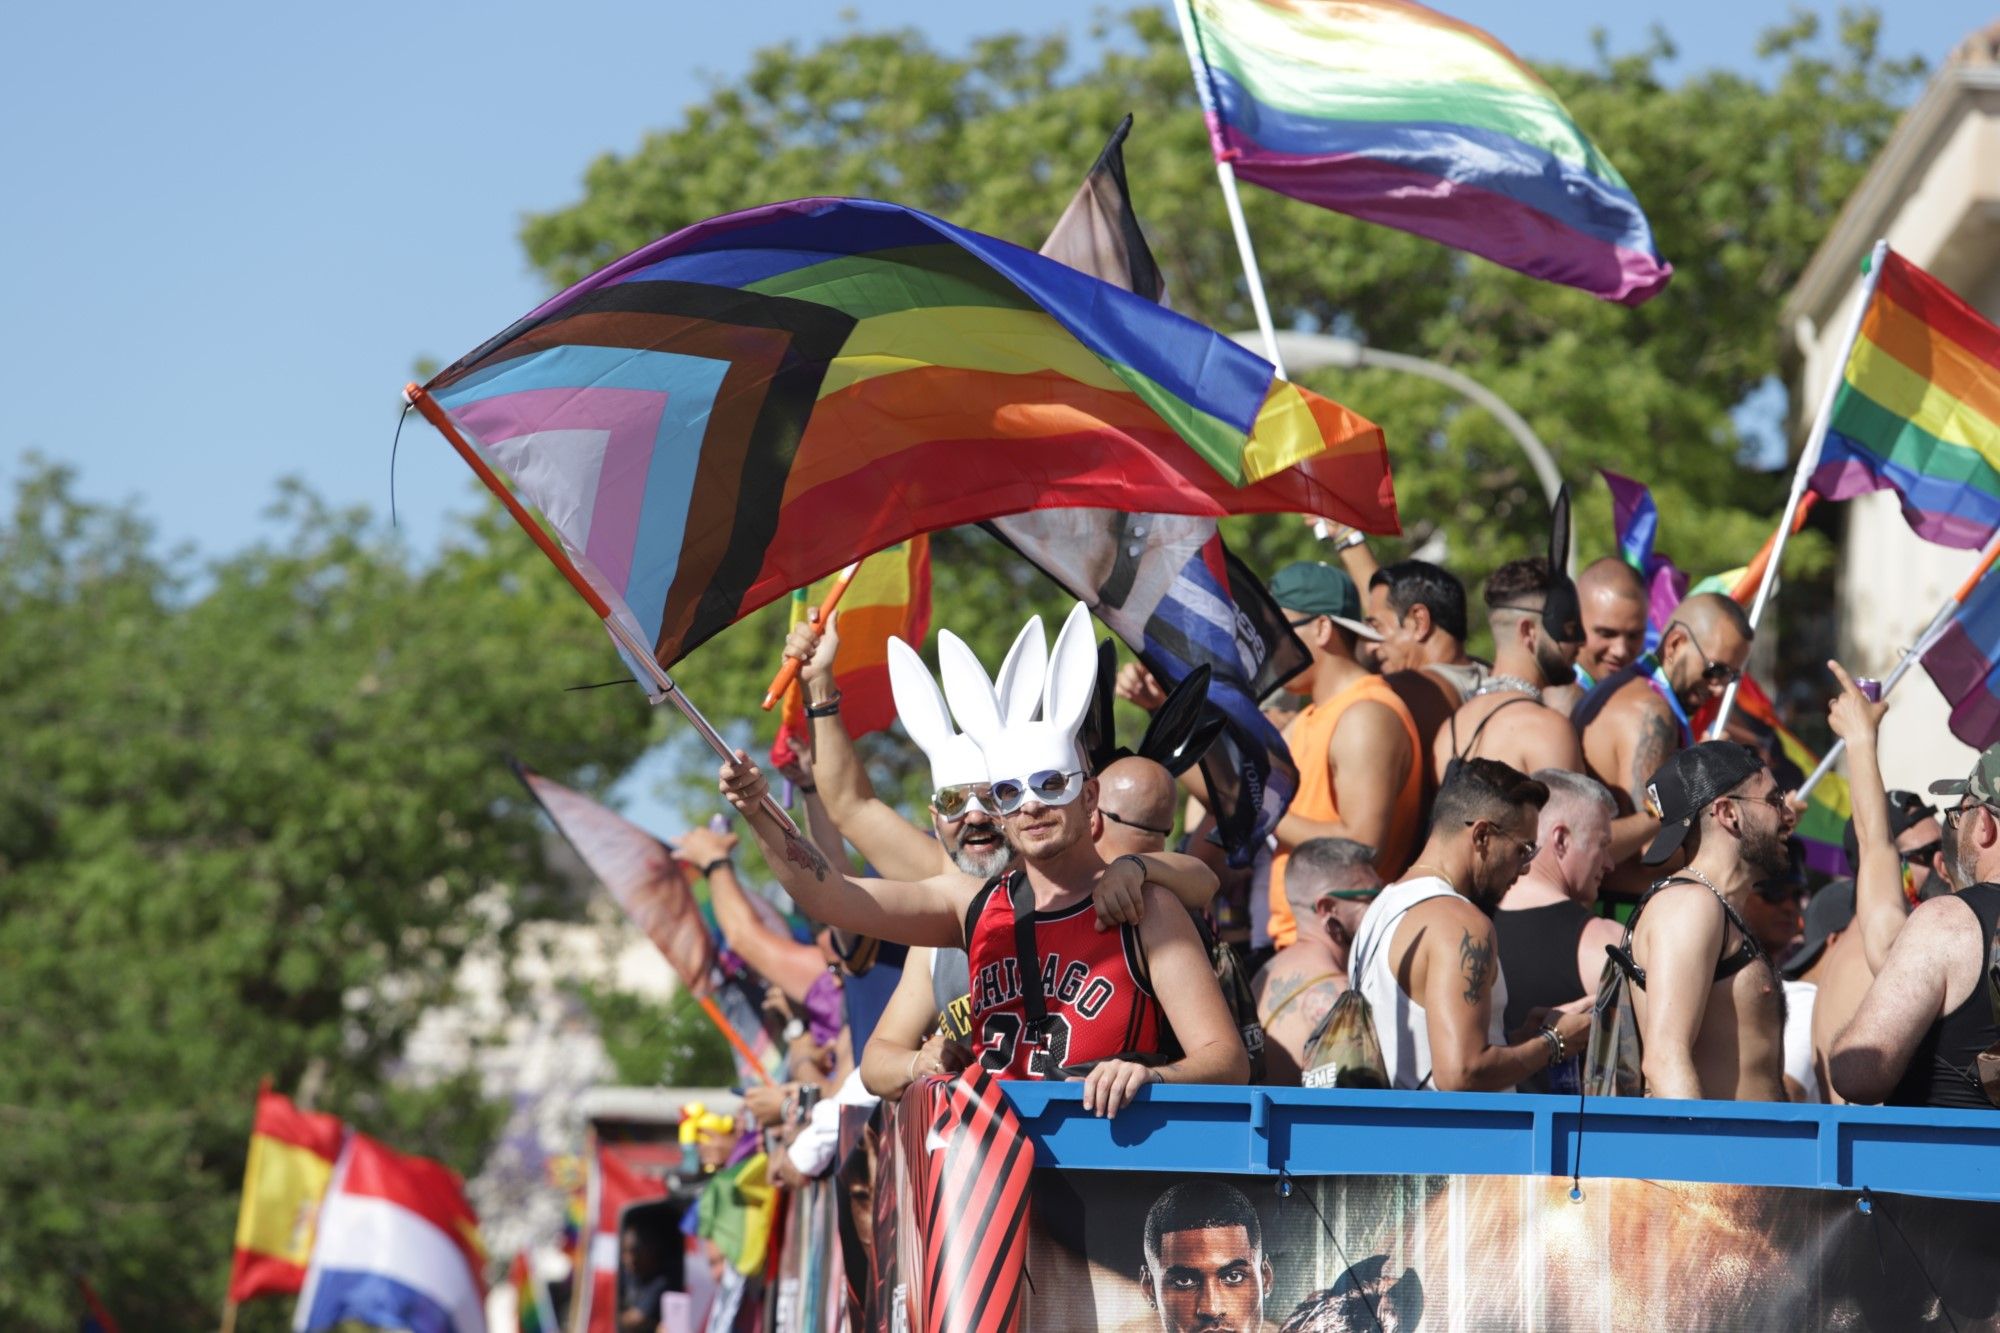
968	1163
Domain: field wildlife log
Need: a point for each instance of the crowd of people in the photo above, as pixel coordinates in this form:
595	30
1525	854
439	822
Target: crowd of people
1495	857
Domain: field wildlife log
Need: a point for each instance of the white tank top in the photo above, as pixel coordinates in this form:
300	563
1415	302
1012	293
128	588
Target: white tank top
1400	1024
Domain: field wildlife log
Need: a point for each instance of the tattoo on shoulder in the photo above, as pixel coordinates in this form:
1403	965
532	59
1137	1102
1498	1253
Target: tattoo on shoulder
802	853
1658	739
1475	964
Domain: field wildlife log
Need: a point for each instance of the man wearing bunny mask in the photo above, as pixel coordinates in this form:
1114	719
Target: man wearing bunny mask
1102	999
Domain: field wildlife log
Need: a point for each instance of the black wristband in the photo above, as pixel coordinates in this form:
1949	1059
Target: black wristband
831	708
807	787
712	866
1135	859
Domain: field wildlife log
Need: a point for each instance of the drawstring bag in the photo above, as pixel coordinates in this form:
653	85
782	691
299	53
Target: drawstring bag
1611	1061
1343	1050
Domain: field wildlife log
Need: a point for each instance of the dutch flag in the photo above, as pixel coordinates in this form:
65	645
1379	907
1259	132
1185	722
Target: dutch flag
398	1248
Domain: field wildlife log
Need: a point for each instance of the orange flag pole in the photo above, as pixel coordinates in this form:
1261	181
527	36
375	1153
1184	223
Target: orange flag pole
789	672
734	1038
1746	587
558	557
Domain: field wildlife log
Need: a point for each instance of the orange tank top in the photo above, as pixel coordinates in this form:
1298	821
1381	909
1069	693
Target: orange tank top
1309	739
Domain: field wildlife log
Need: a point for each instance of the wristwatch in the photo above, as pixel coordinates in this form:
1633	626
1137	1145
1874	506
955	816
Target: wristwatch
1351	540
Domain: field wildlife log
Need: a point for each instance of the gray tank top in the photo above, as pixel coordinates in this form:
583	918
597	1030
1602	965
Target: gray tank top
951	988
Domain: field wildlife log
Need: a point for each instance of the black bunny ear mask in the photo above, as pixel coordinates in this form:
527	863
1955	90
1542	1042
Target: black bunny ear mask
1179	734
1562	611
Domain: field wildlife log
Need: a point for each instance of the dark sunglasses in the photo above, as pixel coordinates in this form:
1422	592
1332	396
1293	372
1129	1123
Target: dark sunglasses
1712	671
1921	856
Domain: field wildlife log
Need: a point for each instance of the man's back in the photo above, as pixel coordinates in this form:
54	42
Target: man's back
1294	991
1512	728
1737	1040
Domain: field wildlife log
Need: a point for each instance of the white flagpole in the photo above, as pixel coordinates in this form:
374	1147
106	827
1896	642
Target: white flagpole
1226	173
1808	461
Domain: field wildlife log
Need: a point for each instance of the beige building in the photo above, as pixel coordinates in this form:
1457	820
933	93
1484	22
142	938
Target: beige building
1934	193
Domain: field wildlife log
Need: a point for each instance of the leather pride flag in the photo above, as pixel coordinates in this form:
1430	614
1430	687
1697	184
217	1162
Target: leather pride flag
968	1164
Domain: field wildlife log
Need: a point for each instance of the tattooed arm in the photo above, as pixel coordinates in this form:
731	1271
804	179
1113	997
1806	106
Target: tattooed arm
1459	965
1651	738
928	911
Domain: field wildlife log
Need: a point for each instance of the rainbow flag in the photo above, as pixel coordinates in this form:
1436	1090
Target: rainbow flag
755	401
292	1153
1636	519
1396	114
1918	410
890	595
534	1312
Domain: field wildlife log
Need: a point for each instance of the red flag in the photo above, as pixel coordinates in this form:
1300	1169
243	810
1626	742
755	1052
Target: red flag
890	595
614	1187
291	1162
968	1164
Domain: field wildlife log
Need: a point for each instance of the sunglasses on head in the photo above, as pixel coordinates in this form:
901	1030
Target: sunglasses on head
1050	786
1712	671
955	802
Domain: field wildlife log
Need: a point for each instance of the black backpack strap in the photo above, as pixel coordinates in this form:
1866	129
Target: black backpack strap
977	908
1029	959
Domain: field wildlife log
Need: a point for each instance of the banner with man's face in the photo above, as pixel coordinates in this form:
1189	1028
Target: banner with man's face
1121	1252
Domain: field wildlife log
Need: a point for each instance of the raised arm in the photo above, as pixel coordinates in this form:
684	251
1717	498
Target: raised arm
1461	960
1910	992
787	964
1880	908
890	843
928	911
1679	938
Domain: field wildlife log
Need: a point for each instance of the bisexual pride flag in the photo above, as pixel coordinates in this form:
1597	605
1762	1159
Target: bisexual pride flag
1396	114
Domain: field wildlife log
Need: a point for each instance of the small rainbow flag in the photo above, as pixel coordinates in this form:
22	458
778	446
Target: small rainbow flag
1396	114
753	402
1918	410
890	595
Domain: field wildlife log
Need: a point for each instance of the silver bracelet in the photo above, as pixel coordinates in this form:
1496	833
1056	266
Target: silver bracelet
1557	1049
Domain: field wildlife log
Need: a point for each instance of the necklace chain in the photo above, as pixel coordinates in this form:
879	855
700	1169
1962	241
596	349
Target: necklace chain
1496	683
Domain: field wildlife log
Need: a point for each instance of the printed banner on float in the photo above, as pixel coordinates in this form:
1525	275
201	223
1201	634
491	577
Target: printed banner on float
1122	1252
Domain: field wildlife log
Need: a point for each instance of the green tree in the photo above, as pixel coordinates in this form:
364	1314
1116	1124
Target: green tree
676	1046
1741	178
253	815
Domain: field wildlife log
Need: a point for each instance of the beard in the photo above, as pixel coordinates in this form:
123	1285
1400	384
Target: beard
1556	669
1963	869
1765	851
981	850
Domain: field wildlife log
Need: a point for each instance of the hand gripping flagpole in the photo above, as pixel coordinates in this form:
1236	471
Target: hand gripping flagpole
635	650
1808	461
1225	171
1912	655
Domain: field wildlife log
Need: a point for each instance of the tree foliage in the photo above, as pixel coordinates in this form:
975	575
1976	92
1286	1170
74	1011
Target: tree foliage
253	814
1741	178
676	1046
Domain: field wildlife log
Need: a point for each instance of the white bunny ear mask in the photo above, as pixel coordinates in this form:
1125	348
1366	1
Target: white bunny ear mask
954	758
1019	686
1019	749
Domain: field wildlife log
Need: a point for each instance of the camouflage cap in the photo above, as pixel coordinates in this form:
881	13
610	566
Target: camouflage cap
1981	784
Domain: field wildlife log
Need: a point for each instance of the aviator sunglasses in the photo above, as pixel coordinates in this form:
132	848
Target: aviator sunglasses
955	802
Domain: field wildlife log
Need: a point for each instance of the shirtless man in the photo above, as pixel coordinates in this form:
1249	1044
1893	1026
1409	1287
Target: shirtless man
1707	997
1425	956
1635	720
1613	597
1506	718
1330	882
1419	610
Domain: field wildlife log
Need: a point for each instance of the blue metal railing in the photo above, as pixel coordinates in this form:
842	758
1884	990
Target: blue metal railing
1314	1132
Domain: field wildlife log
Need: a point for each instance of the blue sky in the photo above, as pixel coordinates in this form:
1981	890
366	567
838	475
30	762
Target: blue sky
232	227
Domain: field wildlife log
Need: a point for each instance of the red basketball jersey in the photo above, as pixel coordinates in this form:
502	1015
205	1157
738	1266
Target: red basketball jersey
1094	985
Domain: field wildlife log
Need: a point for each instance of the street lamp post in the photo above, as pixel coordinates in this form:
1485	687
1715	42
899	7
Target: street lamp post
1310	351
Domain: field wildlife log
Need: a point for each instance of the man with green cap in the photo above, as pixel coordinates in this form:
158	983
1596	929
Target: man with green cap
1928	1016
1359	758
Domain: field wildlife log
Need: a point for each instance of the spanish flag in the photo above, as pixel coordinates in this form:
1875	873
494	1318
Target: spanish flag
291	1162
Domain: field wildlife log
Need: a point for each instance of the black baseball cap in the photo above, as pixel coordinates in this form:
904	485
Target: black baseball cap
1689	783
1830	912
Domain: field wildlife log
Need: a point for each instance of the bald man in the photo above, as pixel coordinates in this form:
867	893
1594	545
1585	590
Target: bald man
1613	599
1637	718
1135	808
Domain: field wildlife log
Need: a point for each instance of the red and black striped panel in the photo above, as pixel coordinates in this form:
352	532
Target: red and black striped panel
970	1163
